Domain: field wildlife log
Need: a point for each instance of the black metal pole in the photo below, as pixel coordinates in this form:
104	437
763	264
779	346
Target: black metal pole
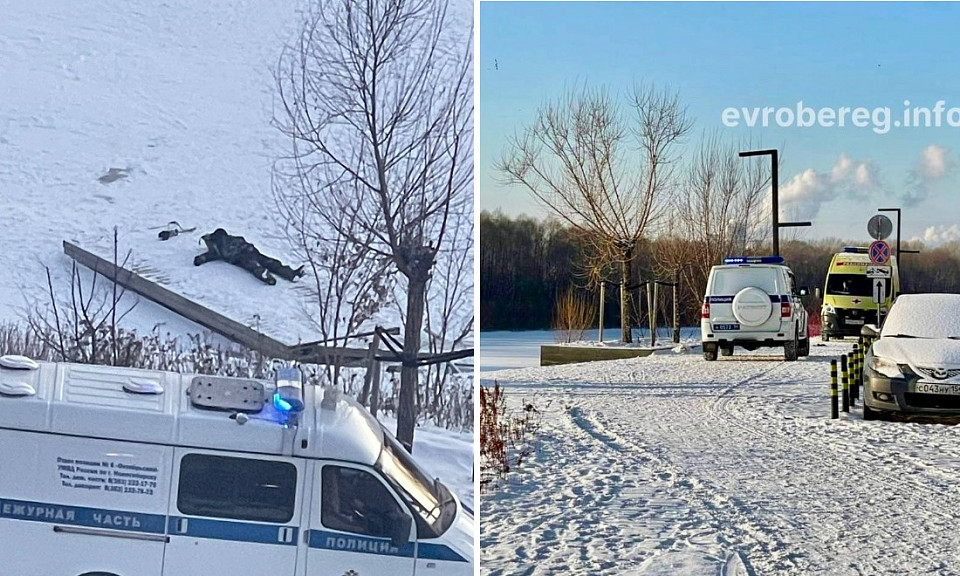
845	384
834	401
776	204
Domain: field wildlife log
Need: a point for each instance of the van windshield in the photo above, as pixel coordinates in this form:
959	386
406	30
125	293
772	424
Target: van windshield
433	505
849	285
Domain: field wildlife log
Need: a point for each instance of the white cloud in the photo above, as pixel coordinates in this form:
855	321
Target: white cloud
937	235
802	197
934	164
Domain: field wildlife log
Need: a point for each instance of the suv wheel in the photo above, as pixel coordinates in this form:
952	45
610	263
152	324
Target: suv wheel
791	348
804	347
710	352
869	413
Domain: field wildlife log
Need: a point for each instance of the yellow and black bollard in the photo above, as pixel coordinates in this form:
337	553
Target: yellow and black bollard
845	381
834	408
855	376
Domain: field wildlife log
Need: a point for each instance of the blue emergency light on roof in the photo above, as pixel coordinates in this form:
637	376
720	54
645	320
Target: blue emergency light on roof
856	250
753	260
289	394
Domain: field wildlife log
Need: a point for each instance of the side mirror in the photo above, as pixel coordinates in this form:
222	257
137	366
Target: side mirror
400	534
816	292
869	331
803	291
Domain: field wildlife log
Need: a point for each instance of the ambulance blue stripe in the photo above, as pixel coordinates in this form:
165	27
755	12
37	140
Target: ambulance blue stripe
341	542
232	531
81	516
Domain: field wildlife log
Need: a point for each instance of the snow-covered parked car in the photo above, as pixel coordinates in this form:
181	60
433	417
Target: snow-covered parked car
914	367
753	301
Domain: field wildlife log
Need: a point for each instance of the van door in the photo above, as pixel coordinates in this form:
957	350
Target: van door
233	514
358	525
71	505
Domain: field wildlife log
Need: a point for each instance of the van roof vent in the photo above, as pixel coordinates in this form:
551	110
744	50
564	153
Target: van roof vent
218	393
15	362
16	389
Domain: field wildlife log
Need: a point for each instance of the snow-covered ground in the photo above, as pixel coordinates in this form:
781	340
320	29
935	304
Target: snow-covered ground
670	465
133	114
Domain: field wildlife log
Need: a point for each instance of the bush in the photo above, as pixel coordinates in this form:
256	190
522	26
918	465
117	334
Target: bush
573	315
504	439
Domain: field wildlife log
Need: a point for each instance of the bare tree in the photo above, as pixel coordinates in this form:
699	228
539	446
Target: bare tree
377	99
349	283
600	171
718	210
449	313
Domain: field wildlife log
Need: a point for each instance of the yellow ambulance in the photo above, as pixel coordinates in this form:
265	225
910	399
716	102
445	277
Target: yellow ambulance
848	294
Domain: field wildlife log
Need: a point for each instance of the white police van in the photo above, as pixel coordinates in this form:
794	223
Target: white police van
122	472
752	301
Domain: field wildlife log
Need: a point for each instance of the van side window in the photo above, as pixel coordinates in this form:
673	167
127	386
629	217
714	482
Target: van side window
355	501
237	488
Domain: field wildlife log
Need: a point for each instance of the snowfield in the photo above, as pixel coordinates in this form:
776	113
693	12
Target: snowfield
669	465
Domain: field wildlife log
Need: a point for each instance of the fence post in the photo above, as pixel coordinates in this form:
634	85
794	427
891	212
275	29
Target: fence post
676	311
834	408
845	381
603	296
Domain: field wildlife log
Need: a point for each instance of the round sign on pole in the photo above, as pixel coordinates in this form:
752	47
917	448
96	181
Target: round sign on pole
880	227
879	252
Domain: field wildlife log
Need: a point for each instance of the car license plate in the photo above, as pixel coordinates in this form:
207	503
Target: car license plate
936	388
721	327
854	321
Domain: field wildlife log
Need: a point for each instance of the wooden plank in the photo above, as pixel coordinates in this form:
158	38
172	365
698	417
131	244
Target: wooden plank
553	355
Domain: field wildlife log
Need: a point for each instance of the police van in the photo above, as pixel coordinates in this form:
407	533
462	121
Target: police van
848	293
110	471
753	301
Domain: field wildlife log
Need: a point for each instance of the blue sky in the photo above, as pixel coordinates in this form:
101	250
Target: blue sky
720	55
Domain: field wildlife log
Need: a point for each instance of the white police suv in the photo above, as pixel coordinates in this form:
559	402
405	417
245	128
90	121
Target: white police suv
752	302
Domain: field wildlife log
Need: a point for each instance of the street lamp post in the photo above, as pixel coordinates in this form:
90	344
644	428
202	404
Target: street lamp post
775	201
898	250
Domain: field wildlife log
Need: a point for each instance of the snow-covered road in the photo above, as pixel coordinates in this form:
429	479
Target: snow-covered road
671	465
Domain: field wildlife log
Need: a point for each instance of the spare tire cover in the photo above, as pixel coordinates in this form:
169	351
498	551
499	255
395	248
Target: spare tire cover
752	306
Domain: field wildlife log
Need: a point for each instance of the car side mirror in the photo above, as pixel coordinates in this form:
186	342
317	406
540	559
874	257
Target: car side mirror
869	331
816	292
400	534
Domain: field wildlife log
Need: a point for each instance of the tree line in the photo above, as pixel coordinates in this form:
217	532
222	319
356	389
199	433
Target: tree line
528	264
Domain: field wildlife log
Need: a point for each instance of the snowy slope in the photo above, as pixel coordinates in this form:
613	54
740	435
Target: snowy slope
177	97
670	465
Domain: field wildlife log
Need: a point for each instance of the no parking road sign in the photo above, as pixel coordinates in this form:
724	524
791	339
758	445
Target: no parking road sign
879	252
